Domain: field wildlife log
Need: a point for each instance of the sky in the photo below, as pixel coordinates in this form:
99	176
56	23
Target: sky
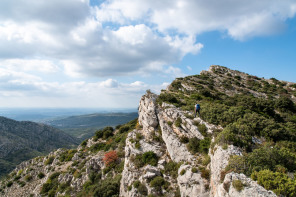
106	54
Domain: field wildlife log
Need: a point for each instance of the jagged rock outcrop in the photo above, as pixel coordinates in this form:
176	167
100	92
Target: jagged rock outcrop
250	187
147	113
190	183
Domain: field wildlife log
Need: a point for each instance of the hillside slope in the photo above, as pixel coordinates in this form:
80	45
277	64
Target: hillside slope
242	145
24	140
84	126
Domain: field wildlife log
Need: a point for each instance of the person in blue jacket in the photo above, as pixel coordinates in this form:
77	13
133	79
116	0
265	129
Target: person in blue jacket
197	110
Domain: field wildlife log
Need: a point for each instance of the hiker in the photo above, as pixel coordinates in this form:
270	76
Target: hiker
197	109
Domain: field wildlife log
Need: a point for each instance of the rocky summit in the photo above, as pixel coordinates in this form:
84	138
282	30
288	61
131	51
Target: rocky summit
242	145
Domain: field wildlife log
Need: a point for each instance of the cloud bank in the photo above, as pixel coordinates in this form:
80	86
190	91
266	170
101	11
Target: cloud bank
73	41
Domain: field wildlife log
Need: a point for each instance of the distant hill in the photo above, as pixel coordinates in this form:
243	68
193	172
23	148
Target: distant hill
84	126
23	140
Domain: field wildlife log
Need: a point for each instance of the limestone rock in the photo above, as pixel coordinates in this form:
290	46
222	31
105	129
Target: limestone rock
191	184
147	113
251	188
219	161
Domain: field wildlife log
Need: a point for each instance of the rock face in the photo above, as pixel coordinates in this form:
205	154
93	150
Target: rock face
191	179
219	160
190	183
147	113
251	188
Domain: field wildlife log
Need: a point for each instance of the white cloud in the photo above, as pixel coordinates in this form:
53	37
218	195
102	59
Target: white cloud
44	66
82	44
109	83
108	93
240	19
41	39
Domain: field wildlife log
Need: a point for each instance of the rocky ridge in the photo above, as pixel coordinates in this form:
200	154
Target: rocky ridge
156	159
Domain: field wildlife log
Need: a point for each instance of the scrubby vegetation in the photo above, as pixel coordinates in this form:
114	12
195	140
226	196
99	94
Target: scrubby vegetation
147	158
260	118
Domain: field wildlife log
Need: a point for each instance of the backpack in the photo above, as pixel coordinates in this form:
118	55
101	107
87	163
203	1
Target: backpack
197	107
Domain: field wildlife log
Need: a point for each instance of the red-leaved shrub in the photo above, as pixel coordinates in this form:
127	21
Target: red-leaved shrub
110	157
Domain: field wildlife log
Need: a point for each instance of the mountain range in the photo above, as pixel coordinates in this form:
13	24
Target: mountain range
23	140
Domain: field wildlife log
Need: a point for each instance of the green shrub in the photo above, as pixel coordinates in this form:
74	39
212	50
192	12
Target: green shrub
143	189
108	187
104	133
63	187
226	186
84	143
183	171
124	129
238	185
204	145
193	145
278	182
150	158
136	184
137	145
139	136
205	173
157	183
184	139
138	161
202	129
129	188
178	122
206	160
67	155
194	170
28	178
170	98
49	160
51	185
97	147
170	123
171	168
21	183
9	184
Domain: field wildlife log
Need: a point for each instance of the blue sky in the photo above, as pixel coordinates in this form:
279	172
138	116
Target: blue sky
80	53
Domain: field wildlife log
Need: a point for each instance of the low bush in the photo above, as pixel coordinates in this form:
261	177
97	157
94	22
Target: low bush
178	122
183	171
143	189
97	147
150	158
194	170
238	185
9	184
28	178
171	168
202	129
184	139
136	184
278	182
67	155
110	157
49	160
157	183
51	185
104	133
